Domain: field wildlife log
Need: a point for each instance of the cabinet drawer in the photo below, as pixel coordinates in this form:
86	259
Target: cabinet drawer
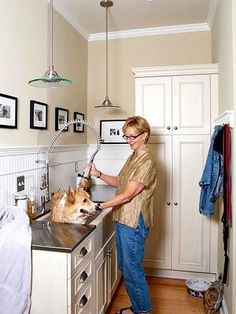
84	301
81	254
81	278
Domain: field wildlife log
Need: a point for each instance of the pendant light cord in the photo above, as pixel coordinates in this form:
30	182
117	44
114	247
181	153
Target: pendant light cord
107	103
50	77
51	67
106	52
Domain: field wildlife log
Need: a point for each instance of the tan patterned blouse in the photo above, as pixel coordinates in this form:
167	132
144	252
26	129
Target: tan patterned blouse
140	167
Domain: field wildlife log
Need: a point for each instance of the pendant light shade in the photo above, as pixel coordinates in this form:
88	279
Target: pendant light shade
51	77
107	103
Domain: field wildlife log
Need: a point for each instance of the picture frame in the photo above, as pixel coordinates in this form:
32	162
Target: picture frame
78	127
38	115
8	111
61	117
111	131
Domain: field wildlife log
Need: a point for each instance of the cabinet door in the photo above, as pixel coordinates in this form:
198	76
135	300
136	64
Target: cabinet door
113	265
101	282
190	229
153	101
191	104
158	246
50	282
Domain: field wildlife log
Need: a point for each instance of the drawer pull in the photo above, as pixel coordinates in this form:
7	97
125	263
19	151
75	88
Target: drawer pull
176	128
83	276
175	203
83	252
83	301
168	128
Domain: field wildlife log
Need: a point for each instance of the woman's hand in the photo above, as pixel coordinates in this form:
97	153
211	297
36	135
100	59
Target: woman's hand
110	180
94	172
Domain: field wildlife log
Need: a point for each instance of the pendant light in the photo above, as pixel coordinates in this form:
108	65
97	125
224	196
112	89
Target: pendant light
107	103
51	77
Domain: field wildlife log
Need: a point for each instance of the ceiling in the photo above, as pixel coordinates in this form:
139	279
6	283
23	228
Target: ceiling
127	17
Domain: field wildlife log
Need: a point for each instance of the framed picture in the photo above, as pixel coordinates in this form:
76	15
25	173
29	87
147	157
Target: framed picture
38	115
61	117
78	127
8	111
111	131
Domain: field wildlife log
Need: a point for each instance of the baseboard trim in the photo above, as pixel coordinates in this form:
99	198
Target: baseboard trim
223	309
178	274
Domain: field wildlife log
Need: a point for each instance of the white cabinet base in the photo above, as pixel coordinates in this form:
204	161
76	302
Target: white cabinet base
174	274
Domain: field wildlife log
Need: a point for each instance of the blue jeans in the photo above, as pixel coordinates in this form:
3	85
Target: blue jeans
130	252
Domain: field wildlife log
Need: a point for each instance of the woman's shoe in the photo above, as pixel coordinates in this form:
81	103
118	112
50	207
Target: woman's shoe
120	311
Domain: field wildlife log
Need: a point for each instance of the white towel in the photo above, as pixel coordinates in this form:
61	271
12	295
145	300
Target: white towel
15	261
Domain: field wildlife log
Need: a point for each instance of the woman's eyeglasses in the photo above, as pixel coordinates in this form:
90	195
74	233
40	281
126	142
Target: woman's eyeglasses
131	137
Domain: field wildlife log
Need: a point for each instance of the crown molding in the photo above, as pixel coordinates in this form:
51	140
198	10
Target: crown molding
175	70
212	12
186	28
70	19
201	27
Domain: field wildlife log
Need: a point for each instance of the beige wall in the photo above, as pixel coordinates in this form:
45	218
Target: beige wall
223	48
24	56
177	49
71	62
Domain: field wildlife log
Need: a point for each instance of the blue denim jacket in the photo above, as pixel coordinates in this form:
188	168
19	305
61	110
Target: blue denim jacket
211	182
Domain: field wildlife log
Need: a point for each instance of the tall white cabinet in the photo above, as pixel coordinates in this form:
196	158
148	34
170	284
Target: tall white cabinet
180	103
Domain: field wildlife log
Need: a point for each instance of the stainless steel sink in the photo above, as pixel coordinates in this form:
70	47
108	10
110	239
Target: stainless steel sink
104	229
104	226
103	220
47	217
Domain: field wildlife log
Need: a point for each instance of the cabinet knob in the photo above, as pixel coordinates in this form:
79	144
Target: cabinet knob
83	252
83	301
175	128
168	203
168	128
83	276
108	253
175	203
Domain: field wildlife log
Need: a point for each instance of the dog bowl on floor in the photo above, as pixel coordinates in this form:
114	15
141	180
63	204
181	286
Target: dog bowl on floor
197	287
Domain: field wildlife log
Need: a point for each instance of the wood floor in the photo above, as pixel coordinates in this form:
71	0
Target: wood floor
169	296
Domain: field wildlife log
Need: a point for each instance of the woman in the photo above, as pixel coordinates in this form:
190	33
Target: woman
132	211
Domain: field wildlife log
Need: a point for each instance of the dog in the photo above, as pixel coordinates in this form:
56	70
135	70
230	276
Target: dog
72	206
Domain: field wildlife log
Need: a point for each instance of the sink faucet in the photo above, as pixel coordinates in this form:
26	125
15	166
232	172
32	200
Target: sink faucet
43	203
45	177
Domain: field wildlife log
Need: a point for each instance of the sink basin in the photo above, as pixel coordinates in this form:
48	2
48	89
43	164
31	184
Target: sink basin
104	227
102	220
47	217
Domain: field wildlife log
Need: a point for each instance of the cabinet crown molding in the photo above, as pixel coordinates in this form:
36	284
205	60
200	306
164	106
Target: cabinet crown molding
175	70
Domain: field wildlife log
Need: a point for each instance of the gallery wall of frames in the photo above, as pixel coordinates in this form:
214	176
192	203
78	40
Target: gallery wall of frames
38	118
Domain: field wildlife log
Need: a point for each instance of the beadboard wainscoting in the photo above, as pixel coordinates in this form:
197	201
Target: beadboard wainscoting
23	161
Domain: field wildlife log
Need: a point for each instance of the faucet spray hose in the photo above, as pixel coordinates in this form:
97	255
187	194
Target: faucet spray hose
86	174
74	122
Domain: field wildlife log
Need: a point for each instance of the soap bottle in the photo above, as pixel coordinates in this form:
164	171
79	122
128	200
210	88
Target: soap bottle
31	207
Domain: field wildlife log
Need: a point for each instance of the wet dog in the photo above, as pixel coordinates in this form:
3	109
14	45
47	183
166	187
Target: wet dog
72	206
